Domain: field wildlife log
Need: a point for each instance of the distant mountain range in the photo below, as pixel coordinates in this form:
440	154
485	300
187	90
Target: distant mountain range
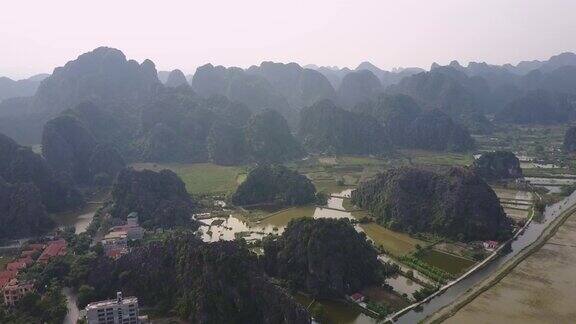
21	88
154	111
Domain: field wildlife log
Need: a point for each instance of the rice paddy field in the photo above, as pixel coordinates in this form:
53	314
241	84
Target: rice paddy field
397	244
450	263
203	178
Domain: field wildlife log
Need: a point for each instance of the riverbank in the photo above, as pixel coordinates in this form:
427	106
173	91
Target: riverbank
475	291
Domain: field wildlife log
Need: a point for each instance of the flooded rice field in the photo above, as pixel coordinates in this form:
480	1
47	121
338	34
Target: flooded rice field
339	312
516	203
541	289
235	225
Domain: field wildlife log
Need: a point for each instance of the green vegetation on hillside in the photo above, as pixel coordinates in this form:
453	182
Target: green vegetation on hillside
324	257
455	203
275	184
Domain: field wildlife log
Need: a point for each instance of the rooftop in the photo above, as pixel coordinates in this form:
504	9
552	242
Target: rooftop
115	235
111	302
53	249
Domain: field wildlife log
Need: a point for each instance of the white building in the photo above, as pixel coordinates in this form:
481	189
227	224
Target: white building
114	311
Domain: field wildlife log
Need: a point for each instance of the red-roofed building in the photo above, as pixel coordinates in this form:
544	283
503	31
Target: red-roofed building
490	245
357	298
54	248
6	276
19	264
36	246
115	253
27	253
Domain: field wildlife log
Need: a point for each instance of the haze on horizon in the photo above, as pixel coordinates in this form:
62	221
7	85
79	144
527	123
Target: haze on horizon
37	36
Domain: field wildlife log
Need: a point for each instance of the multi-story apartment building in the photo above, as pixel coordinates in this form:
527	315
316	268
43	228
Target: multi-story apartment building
115	311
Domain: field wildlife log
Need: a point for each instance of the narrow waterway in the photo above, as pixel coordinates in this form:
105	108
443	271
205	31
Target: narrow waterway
528	237
80	219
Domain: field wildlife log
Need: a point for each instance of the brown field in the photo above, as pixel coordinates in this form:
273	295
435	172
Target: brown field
541	289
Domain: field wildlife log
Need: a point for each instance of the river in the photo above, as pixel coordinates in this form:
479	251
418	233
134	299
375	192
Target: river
528	237
79	219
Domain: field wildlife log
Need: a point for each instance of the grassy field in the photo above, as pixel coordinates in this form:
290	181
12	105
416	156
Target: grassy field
447	262
395	243
203	178
283	217
437	158
334	174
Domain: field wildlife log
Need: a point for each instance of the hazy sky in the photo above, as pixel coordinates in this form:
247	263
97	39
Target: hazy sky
36	36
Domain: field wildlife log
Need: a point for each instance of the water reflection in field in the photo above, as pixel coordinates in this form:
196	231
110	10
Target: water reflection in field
336	311
235	226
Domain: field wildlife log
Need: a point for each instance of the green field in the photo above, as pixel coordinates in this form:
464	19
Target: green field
395	243
437	158
283	217
447	262
203	178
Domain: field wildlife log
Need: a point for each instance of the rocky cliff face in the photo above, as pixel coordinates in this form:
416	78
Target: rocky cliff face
498	165
539	107
324	257
177	123
226	144
455	203
21	88
446	88
407	126
176	78
201	283
67	146
159	198
19	164
274	184
71	150
270	140
395	113
325	128
22	213
358	86
301	87
103	76
435	130
253	90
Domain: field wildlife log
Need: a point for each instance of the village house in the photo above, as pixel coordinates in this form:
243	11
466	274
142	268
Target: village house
53	249
357	298
490	245
115	243
20	264
6	276
15	290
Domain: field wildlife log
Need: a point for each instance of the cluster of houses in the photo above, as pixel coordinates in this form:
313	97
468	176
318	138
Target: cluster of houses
115	243
13	289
